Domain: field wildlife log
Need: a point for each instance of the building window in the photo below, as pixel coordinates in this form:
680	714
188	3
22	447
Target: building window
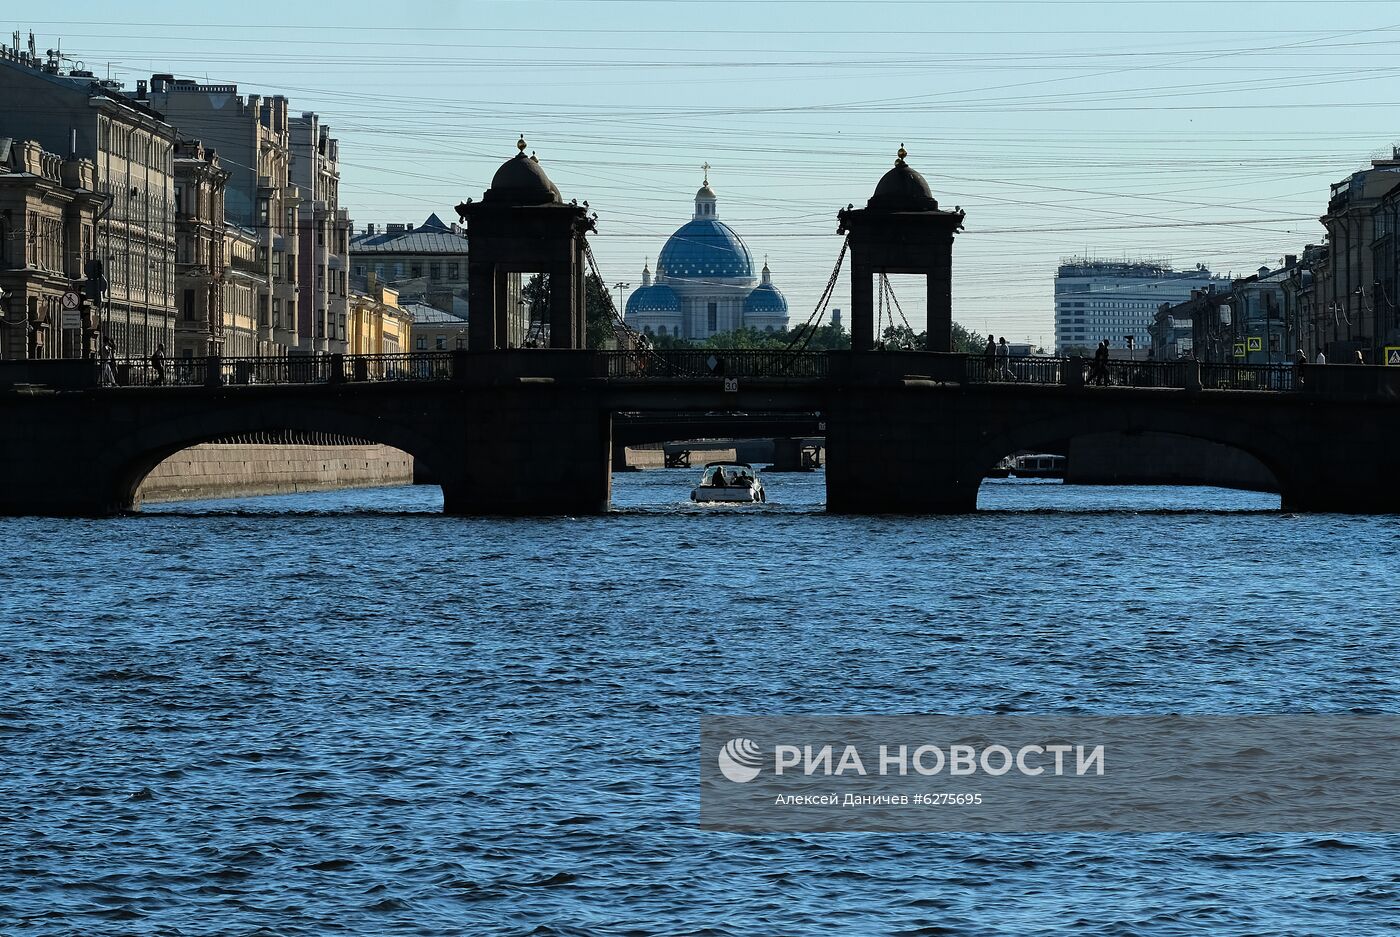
442	343
453	271
434	271
189	305
714	317
421	343
461	341
415	270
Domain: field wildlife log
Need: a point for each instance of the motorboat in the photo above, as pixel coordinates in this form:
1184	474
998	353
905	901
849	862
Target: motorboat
1039	465
729	482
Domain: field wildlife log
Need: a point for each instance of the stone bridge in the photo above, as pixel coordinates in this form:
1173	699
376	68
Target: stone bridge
531	432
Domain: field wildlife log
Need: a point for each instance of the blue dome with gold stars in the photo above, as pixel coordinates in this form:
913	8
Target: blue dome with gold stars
705	247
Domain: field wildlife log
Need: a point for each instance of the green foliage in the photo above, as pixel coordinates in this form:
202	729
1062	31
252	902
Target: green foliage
600	319
535	295
968	342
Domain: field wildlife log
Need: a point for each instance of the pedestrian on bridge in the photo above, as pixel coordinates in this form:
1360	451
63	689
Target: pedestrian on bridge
1098	374
1003	360
158	362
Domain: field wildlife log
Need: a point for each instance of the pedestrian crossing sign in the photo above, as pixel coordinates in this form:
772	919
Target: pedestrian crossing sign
1239	349
1392	356
1256	343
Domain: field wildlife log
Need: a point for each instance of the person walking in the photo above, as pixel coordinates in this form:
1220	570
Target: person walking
1299	363
158	363
1360	358
1100	370
1003	360
108	355
989	358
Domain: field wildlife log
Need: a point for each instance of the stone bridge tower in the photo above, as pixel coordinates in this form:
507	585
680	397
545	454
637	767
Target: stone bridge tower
522	225
901	230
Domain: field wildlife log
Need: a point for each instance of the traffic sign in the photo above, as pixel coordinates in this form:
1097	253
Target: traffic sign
1239	349
71	300
72	319
1256	343
1392	356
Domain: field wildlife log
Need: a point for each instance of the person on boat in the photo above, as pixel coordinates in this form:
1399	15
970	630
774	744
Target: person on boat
717	479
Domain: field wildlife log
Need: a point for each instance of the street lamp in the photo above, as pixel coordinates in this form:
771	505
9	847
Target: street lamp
621	289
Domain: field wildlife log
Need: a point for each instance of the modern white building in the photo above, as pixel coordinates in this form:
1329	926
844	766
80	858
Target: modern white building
1098	299
705	282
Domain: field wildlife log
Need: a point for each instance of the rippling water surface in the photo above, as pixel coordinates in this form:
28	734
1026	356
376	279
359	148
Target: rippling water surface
343	713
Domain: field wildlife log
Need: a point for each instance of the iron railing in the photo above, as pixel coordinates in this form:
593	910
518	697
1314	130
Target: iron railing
1249	376
696	364
984	369
403	366
707	363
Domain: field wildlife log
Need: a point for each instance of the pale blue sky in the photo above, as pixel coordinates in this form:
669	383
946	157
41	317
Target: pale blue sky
1187	131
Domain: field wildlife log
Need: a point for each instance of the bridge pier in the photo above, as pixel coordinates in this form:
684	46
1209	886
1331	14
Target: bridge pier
531	450
893	451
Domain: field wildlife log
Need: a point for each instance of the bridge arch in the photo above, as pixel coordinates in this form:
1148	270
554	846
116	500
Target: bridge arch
1234	432
132	456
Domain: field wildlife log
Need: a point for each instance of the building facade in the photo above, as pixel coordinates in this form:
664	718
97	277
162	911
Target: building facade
377	326
435	329
131	147
1102	299
323	238
426	264
1354	299
48	210
252	135
705	282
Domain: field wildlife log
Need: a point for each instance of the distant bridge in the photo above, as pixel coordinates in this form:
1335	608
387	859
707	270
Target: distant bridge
911	432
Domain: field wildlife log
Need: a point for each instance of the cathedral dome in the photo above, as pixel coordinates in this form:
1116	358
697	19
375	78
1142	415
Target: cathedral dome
522	181
705	248
652	298
766	299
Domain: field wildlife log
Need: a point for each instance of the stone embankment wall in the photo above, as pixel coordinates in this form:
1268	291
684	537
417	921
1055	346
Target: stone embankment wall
245	469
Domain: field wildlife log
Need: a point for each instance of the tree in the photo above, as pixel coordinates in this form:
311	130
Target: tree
968	342
534	295
598	311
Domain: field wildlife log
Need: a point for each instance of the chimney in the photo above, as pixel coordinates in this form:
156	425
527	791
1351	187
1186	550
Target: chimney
1290	260
140	89
369	228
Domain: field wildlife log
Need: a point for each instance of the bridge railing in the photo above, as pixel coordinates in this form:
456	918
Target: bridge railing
402	366
1249	376
702	362
982	369
287	369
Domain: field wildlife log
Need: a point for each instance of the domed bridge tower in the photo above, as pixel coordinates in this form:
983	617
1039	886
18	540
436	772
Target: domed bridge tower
522	225
901	230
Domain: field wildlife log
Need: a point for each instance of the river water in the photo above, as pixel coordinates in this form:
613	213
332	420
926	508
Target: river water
341	713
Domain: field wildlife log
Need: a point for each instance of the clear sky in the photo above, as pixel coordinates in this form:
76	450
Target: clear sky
1191	131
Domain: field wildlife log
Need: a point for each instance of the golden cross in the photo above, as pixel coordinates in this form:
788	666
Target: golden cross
706	166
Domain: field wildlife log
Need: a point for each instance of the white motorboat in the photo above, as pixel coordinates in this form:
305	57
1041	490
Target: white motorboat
731	482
